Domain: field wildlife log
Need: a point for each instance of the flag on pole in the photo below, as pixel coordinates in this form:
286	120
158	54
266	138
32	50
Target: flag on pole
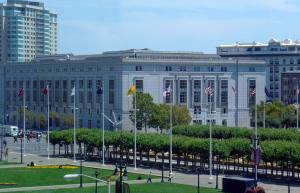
100	90
45	90
73	92
132	90
21	92
209	91
167	93
267	92
233	90
252	92
297	91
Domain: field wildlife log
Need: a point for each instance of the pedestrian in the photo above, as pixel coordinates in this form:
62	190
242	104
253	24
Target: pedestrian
15	139
260	189
149	180
116	170
125	173
6	154
170	177
4	143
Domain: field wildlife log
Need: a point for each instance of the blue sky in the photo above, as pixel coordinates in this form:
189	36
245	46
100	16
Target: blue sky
94	26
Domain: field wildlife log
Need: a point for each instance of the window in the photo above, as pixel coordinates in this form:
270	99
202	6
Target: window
197	110
210	69
251	69
138	68
111	92
223	69
90	84
80	84
197	91
168	68
139	85
90	97
292	61
224	122
182	91
168	98
197	69
182	68
251	94
224	95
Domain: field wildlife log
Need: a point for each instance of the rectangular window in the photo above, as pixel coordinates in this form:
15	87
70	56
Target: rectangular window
182	91
90	84
81	97
182	68
111	91
251	95
80	84
223	69
65	84
197	91
90	97
139	85
251	69
138	68
168	68
197	69
168	84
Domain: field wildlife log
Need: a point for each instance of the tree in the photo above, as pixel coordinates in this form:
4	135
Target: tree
160	116
54	116
68	120
145	108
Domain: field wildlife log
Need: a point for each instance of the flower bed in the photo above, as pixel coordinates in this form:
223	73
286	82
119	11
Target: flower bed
7	184
55	167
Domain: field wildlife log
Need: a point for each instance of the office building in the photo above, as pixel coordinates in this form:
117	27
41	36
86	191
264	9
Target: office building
28	30
189	73
281	57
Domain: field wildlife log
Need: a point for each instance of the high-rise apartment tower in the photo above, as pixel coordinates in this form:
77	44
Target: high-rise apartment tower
28	30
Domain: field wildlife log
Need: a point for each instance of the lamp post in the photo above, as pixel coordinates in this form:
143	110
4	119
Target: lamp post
198	174
96	186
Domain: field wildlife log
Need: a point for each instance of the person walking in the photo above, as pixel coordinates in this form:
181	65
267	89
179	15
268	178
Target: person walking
149	180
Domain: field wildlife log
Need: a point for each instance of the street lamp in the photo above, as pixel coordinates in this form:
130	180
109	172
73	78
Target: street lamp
198	173
70	177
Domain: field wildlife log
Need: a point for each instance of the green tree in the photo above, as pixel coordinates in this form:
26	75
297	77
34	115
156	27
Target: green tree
145	108
160	116
55	118
68	120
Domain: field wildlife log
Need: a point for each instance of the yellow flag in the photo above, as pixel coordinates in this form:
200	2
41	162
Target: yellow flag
132	90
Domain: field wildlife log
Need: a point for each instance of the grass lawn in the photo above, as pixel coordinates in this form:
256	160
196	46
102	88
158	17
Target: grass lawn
45	176
7	163
140	188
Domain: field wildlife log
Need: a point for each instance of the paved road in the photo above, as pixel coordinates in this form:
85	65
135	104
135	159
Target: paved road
37	153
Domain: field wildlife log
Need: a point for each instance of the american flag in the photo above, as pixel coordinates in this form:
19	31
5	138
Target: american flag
252	92
167	93
209	91
21	92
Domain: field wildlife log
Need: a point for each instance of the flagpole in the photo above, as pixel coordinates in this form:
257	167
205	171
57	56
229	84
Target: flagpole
297	106
171	131
74	112
24	121
48	122
256	143
264	122
210	141
135	131
103	123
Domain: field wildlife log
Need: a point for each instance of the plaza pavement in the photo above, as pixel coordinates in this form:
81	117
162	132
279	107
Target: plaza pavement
181	178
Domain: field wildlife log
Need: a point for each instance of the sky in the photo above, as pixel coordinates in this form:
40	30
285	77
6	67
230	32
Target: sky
94	26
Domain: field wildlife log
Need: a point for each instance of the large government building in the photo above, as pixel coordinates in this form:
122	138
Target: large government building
28	29
283	65
188	73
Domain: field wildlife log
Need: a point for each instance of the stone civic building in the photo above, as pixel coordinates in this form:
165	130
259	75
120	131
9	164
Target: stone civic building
188	73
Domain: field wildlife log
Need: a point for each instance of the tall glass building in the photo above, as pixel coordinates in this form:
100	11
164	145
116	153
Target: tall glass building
28	30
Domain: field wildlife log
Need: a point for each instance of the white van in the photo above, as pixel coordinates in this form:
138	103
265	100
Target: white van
9	130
